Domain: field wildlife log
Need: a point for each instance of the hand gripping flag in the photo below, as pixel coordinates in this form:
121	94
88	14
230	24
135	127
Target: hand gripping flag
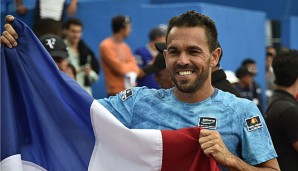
48	122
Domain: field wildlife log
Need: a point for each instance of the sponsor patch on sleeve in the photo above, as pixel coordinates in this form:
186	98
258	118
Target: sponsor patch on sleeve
253	123
125	94
207	122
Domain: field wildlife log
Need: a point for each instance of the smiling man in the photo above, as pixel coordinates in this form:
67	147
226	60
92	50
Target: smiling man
231	135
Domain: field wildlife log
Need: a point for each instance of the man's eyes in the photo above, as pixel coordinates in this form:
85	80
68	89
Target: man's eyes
194	52
189	52
173	52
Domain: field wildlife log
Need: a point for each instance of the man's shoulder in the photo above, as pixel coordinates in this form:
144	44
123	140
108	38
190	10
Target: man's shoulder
141	50
145	91
231	101
106	42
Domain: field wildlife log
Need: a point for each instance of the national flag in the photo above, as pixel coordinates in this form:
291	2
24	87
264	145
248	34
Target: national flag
48	122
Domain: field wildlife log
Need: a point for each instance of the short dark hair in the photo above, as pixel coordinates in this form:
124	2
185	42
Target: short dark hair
119	22
72	21
247	61
156	33
195	19
285	68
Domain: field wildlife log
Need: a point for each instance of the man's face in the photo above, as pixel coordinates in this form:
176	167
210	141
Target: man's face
188	58
252	68
61	63
247	80
163	78
74	33
160	39
126	31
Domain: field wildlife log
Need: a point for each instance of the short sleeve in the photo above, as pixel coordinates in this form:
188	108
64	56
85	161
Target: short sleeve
257	146
121	105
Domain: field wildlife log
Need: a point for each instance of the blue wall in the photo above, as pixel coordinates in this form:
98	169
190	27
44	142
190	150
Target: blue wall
290	32
275	9
241	32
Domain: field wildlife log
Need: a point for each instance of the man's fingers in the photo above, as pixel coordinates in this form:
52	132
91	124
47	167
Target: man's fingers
206	132
5	41
8	40
9	18
11	31
208	152
205	143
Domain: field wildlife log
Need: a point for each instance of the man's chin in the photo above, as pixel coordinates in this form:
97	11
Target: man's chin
185	88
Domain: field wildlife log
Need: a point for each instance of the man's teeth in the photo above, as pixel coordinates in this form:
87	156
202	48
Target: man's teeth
184	72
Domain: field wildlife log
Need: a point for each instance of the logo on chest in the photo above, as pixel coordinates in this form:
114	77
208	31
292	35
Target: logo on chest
207	122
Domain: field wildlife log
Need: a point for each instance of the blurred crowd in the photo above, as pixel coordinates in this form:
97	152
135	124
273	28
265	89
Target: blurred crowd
124	68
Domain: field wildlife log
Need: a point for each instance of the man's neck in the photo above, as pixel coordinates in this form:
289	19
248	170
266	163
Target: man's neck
117	37
73	45
291	90
152	46
205	92
243	84
215	68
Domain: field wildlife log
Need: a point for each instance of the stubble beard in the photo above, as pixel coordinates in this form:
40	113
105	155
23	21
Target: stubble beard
188	86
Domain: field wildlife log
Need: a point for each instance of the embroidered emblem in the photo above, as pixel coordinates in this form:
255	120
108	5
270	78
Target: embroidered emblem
253	123
51	42
125	94
207	122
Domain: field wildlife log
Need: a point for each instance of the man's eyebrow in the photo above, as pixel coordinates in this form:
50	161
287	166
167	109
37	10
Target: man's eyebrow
194	48
171	47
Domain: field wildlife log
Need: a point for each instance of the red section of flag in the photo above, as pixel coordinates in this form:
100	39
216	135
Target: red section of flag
185	154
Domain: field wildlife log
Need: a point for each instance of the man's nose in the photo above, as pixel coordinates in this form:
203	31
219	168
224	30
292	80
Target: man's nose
183	59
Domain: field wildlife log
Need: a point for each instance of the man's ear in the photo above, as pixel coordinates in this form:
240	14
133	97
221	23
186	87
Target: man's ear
165	52
215	57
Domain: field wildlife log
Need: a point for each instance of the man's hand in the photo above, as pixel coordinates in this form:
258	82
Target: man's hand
213	146
9	36
22	10
72	8
87	69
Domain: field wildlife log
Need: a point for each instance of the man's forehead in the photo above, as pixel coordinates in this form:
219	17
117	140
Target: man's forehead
195	34
187	37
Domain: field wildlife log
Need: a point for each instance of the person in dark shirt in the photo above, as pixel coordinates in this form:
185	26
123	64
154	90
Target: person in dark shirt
252	90
282	112
219	78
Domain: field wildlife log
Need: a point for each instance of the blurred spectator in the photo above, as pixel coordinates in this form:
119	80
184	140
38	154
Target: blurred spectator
270	86
119	65
219	78
253	92
48	15
158	68
231	77
246	86
145	55
80	55
71	71
282	112
163	78
57	49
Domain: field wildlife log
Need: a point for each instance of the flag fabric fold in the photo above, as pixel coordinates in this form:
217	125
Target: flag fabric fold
48	122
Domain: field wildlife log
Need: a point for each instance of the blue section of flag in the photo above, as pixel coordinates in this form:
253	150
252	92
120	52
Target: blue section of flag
45	115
